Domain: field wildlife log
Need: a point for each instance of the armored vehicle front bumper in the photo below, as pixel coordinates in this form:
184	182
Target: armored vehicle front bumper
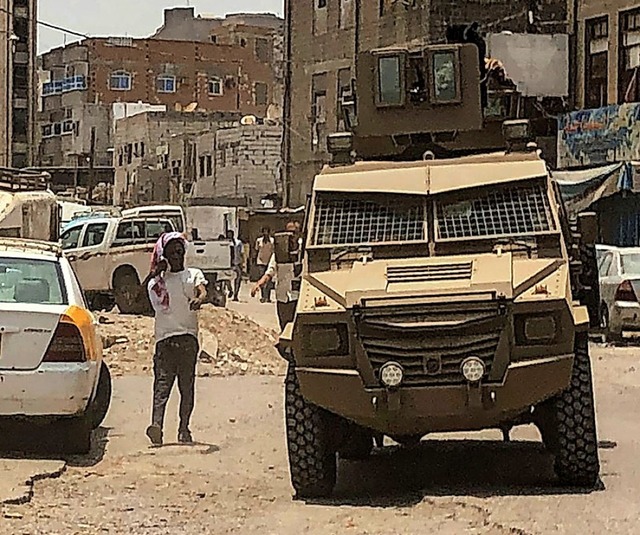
419	410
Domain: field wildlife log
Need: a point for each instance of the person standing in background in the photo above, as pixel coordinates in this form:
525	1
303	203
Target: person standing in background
284	274
265	249
237	249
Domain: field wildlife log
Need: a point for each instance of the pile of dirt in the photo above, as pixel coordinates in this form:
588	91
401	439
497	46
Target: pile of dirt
231	344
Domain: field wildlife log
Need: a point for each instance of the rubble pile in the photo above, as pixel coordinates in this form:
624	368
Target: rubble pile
231	344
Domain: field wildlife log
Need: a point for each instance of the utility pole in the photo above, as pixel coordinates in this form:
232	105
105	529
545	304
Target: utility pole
92	159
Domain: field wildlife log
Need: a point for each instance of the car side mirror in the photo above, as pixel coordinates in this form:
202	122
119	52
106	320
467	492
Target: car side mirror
281	247
588	227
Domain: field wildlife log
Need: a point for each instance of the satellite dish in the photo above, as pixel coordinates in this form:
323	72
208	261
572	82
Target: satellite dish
248	120
191	107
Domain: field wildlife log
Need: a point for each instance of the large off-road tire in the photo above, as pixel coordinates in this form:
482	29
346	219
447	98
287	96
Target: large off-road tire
100	405
358	444
312	459
567	424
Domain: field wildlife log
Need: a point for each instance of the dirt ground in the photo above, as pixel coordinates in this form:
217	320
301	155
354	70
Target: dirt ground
232	344
236	481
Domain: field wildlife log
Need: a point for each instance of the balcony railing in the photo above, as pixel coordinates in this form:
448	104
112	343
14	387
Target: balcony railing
66	85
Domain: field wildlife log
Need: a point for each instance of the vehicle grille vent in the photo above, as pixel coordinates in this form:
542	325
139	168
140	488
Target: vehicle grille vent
430	273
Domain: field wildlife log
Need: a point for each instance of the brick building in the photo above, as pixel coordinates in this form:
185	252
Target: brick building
86	78
262	33
19	84
322	38
608	52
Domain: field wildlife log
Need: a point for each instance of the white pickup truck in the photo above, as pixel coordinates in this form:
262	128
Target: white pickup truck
212	256
111	257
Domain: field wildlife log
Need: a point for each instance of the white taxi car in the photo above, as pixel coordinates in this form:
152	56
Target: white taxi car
51	367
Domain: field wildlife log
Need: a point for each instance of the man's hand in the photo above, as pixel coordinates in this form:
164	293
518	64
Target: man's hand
160	268
256	289
196	303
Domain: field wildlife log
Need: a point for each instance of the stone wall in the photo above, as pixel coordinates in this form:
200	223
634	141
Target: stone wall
247	164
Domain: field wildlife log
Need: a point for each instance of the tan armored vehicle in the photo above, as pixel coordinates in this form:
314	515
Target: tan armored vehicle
442	294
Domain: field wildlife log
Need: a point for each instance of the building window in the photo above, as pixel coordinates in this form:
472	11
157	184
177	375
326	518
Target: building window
120	81
319	112
320	17
344	86
390	87
263	50
596	62
214	39
215	87
629	56
209	166
47	130
166	84
260	94
347	13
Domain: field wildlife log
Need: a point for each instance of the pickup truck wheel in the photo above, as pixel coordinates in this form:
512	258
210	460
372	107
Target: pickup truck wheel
100	404
312	460
568	424
126	290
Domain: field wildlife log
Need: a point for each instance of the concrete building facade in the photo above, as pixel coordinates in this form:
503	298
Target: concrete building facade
322	38
246	164
18	89
156	152
167	157
608	55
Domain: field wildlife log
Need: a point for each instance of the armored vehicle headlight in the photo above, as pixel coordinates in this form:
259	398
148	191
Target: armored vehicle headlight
473	369
391	374
327	340
536	330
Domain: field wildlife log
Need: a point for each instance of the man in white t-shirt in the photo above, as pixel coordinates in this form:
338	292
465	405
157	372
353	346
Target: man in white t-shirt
176	294
284	275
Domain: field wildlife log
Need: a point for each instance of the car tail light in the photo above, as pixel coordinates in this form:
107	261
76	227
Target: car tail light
66	345
625	292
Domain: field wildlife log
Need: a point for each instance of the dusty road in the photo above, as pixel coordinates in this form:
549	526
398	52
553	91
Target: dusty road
236	480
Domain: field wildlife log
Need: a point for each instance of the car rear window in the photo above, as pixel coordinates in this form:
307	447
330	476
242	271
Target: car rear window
631	263
31	281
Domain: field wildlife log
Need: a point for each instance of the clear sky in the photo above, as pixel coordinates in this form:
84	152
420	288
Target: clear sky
132	18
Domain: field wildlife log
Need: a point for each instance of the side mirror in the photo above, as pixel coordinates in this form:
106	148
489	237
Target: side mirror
588	227
281	247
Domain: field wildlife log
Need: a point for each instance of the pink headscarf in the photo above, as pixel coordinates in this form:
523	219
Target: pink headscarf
159	287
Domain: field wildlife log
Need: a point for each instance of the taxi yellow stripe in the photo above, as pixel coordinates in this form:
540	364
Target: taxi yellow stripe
83	320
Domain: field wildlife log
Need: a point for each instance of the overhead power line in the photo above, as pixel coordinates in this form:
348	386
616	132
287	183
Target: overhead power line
51	26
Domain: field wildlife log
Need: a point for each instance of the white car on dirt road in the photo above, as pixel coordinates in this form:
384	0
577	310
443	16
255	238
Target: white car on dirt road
51	368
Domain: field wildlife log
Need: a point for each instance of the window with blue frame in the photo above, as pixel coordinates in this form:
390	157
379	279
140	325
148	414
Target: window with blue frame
166	84
120	81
